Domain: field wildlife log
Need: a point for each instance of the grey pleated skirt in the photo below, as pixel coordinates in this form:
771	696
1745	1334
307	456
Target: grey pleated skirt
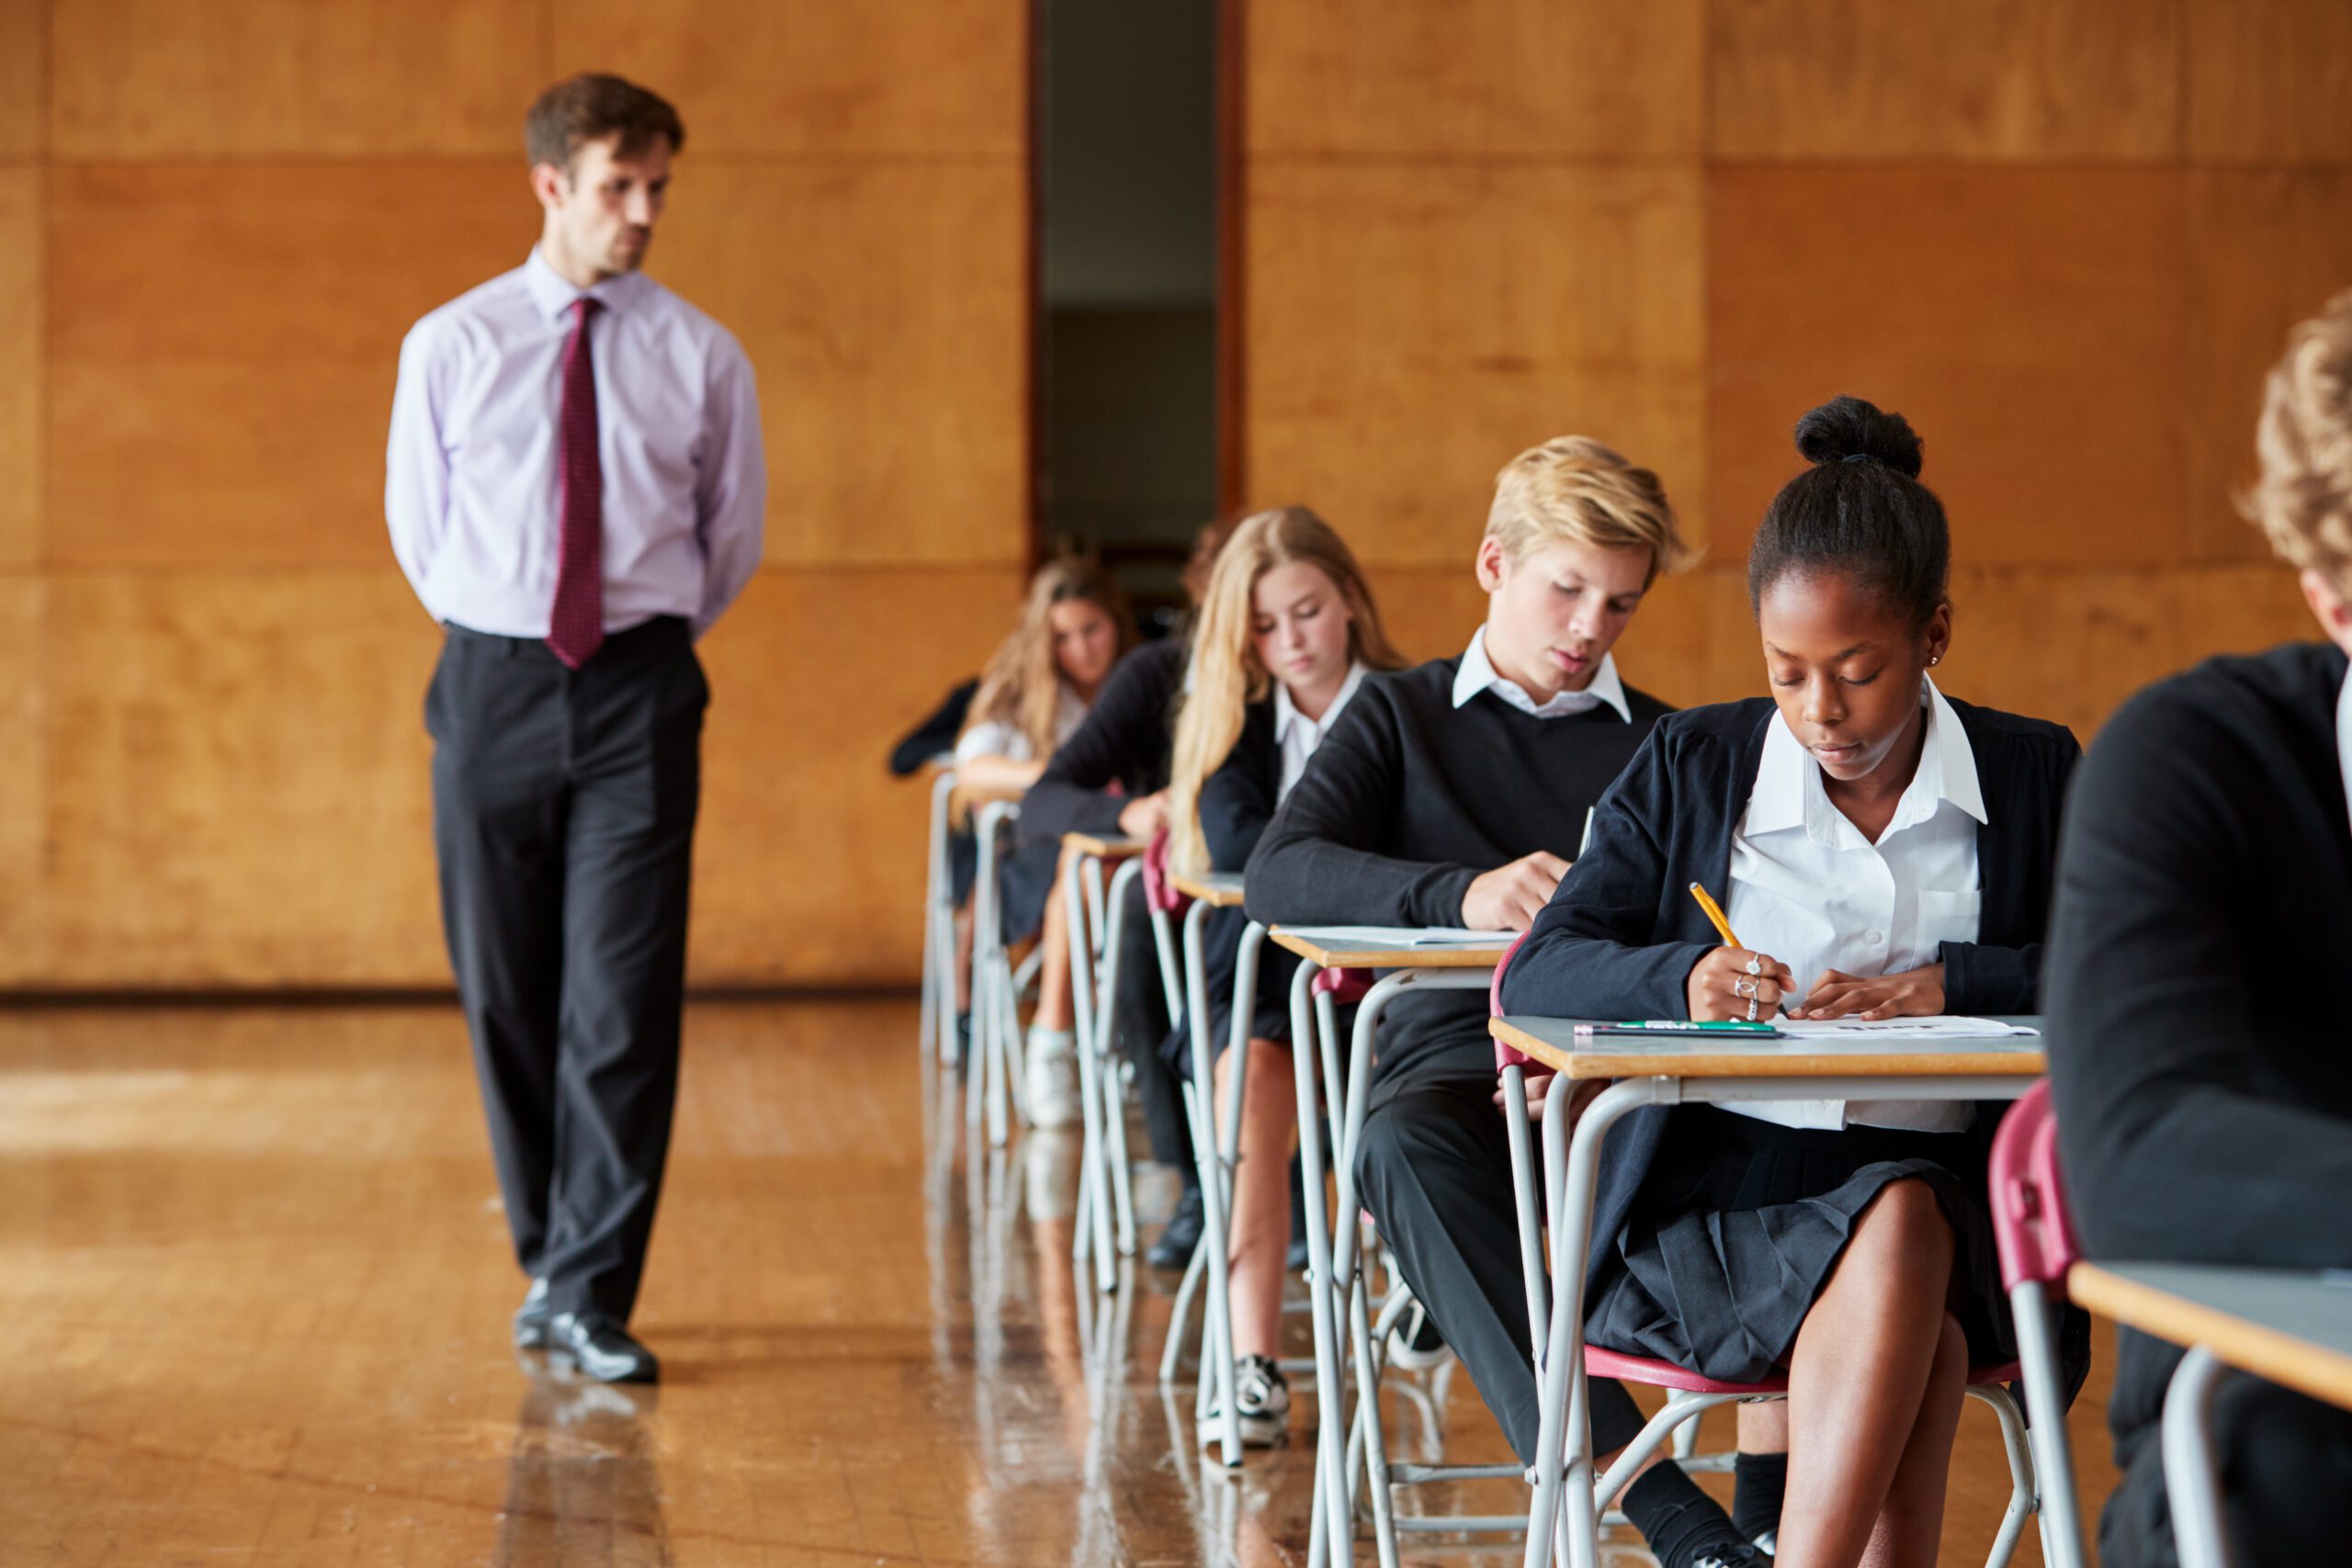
1741	1222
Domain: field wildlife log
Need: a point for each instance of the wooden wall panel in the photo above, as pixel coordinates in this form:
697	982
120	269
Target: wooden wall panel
2011	79
2268	80
237	788
2266	248
1411	329
2027	322
222	346
883	76
24	78
1507	77
883	309
809	859
170	79
21	316
25	944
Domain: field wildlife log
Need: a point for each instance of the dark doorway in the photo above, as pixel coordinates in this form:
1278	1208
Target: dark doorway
1127	273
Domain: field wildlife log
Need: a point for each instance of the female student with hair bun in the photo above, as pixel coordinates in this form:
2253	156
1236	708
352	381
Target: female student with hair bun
2197	1002
1036	691
1286	632
1889	852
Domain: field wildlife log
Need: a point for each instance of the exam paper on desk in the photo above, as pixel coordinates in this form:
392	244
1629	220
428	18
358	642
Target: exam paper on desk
1944	1027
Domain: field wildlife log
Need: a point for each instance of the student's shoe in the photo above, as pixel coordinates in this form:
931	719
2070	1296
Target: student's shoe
1260	1402
531	1319
1182	1235
1415	1345
602	1349
1049	1087
1744	1556
1768	1544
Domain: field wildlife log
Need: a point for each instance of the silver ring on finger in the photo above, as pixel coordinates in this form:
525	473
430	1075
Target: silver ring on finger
1751	1009
1743	987
1756	964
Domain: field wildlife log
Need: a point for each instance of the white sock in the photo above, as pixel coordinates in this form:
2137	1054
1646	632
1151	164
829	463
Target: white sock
1051	1040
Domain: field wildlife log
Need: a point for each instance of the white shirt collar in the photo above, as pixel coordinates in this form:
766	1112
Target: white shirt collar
553	293
2343	736
1477	674
1789	792
1286	712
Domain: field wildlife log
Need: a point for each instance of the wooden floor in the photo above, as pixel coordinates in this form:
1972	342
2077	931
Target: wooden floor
258	1284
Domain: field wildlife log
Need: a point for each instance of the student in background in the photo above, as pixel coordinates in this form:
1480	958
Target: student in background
1452	795
2196	1006
1287	633
1890	853
1033	694
1111	777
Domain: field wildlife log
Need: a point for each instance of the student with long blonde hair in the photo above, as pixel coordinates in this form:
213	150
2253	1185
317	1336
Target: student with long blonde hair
1036	691
1287	631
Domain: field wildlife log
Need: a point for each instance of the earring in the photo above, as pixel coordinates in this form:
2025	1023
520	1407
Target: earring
1934	660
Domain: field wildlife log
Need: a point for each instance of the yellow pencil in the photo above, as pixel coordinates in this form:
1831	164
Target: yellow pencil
1714	913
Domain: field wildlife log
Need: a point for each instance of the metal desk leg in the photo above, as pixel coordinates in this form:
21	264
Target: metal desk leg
2192	1481
1216	1328
1114	1102
1092	1233
2054	1458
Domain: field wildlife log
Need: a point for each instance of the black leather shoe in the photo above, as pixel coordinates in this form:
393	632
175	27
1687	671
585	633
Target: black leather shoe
1174	1247
531	1318
602	1349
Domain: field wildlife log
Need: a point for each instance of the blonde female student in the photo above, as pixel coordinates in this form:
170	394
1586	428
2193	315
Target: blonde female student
1287	630
1890	853
1034	693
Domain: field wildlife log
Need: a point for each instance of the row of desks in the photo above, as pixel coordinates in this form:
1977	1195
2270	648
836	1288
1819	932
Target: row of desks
2293	1328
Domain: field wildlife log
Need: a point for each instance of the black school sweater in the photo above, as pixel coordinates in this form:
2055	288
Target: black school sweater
2199	1053
1410	799
1125	741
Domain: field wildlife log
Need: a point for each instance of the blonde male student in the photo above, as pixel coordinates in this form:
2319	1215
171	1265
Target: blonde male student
1287	632
1454	794
1036	691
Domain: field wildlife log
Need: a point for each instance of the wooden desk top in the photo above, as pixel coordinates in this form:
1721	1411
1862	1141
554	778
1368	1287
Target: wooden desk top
1553	1041
1316	946
1217	889
1104	846
971	797
2290	1325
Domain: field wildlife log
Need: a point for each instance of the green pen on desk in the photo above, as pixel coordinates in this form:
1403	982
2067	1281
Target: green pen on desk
1739	1028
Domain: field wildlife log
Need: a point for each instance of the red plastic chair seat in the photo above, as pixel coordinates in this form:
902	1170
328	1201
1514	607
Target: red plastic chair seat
1342	986
1601	1363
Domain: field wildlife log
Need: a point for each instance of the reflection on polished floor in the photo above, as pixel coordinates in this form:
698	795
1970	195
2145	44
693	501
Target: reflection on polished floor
259	1285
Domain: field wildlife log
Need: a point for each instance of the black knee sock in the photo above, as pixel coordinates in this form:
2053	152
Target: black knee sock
1758	1483
1678	1519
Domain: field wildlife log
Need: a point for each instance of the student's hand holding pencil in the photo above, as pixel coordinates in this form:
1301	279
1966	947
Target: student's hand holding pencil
1733	983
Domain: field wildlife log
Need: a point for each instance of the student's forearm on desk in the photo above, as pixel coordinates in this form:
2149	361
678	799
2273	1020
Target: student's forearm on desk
1295	879
997	772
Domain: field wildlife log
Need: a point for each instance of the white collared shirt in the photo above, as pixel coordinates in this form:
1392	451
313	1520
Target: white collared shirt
1808	889
2343	737
471	488
1477	673
1297	734
998	738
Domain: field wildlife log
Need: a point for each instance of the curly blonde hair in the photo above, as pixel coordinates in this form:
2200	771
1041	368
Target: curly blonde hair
2304	500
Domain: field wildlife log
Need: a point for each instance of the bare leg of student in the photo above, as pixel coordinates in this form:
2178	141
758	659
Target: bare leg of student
1910	1527
1053	970
1261	1235
1859	1375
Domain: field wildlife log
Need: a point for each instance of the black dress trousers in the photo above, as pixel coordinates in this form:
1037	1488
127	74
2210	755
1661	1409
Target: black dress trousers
563	812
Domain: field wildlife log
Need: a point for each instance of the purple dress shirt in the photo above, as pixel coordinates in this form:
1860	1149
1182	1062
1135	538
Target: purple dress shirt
472	490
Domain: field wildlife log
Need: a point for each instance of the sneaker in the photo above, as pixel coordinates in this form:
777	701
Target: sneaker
1741	1556
1768	1544
1415	1345
1261	1402
1049	1088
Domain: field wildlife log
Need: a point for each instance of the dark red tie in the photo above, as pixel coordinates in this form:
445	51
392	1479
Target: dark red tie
576	628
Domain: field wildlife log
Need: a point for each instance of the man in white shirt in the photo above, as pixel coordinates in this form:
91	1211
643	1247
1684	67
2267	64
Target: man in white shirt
575	489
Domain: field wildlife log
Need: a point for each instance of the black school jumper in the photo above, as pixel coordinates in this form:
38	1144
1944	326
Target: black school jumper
1125	741
1619	940
2201	1061
1406	802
